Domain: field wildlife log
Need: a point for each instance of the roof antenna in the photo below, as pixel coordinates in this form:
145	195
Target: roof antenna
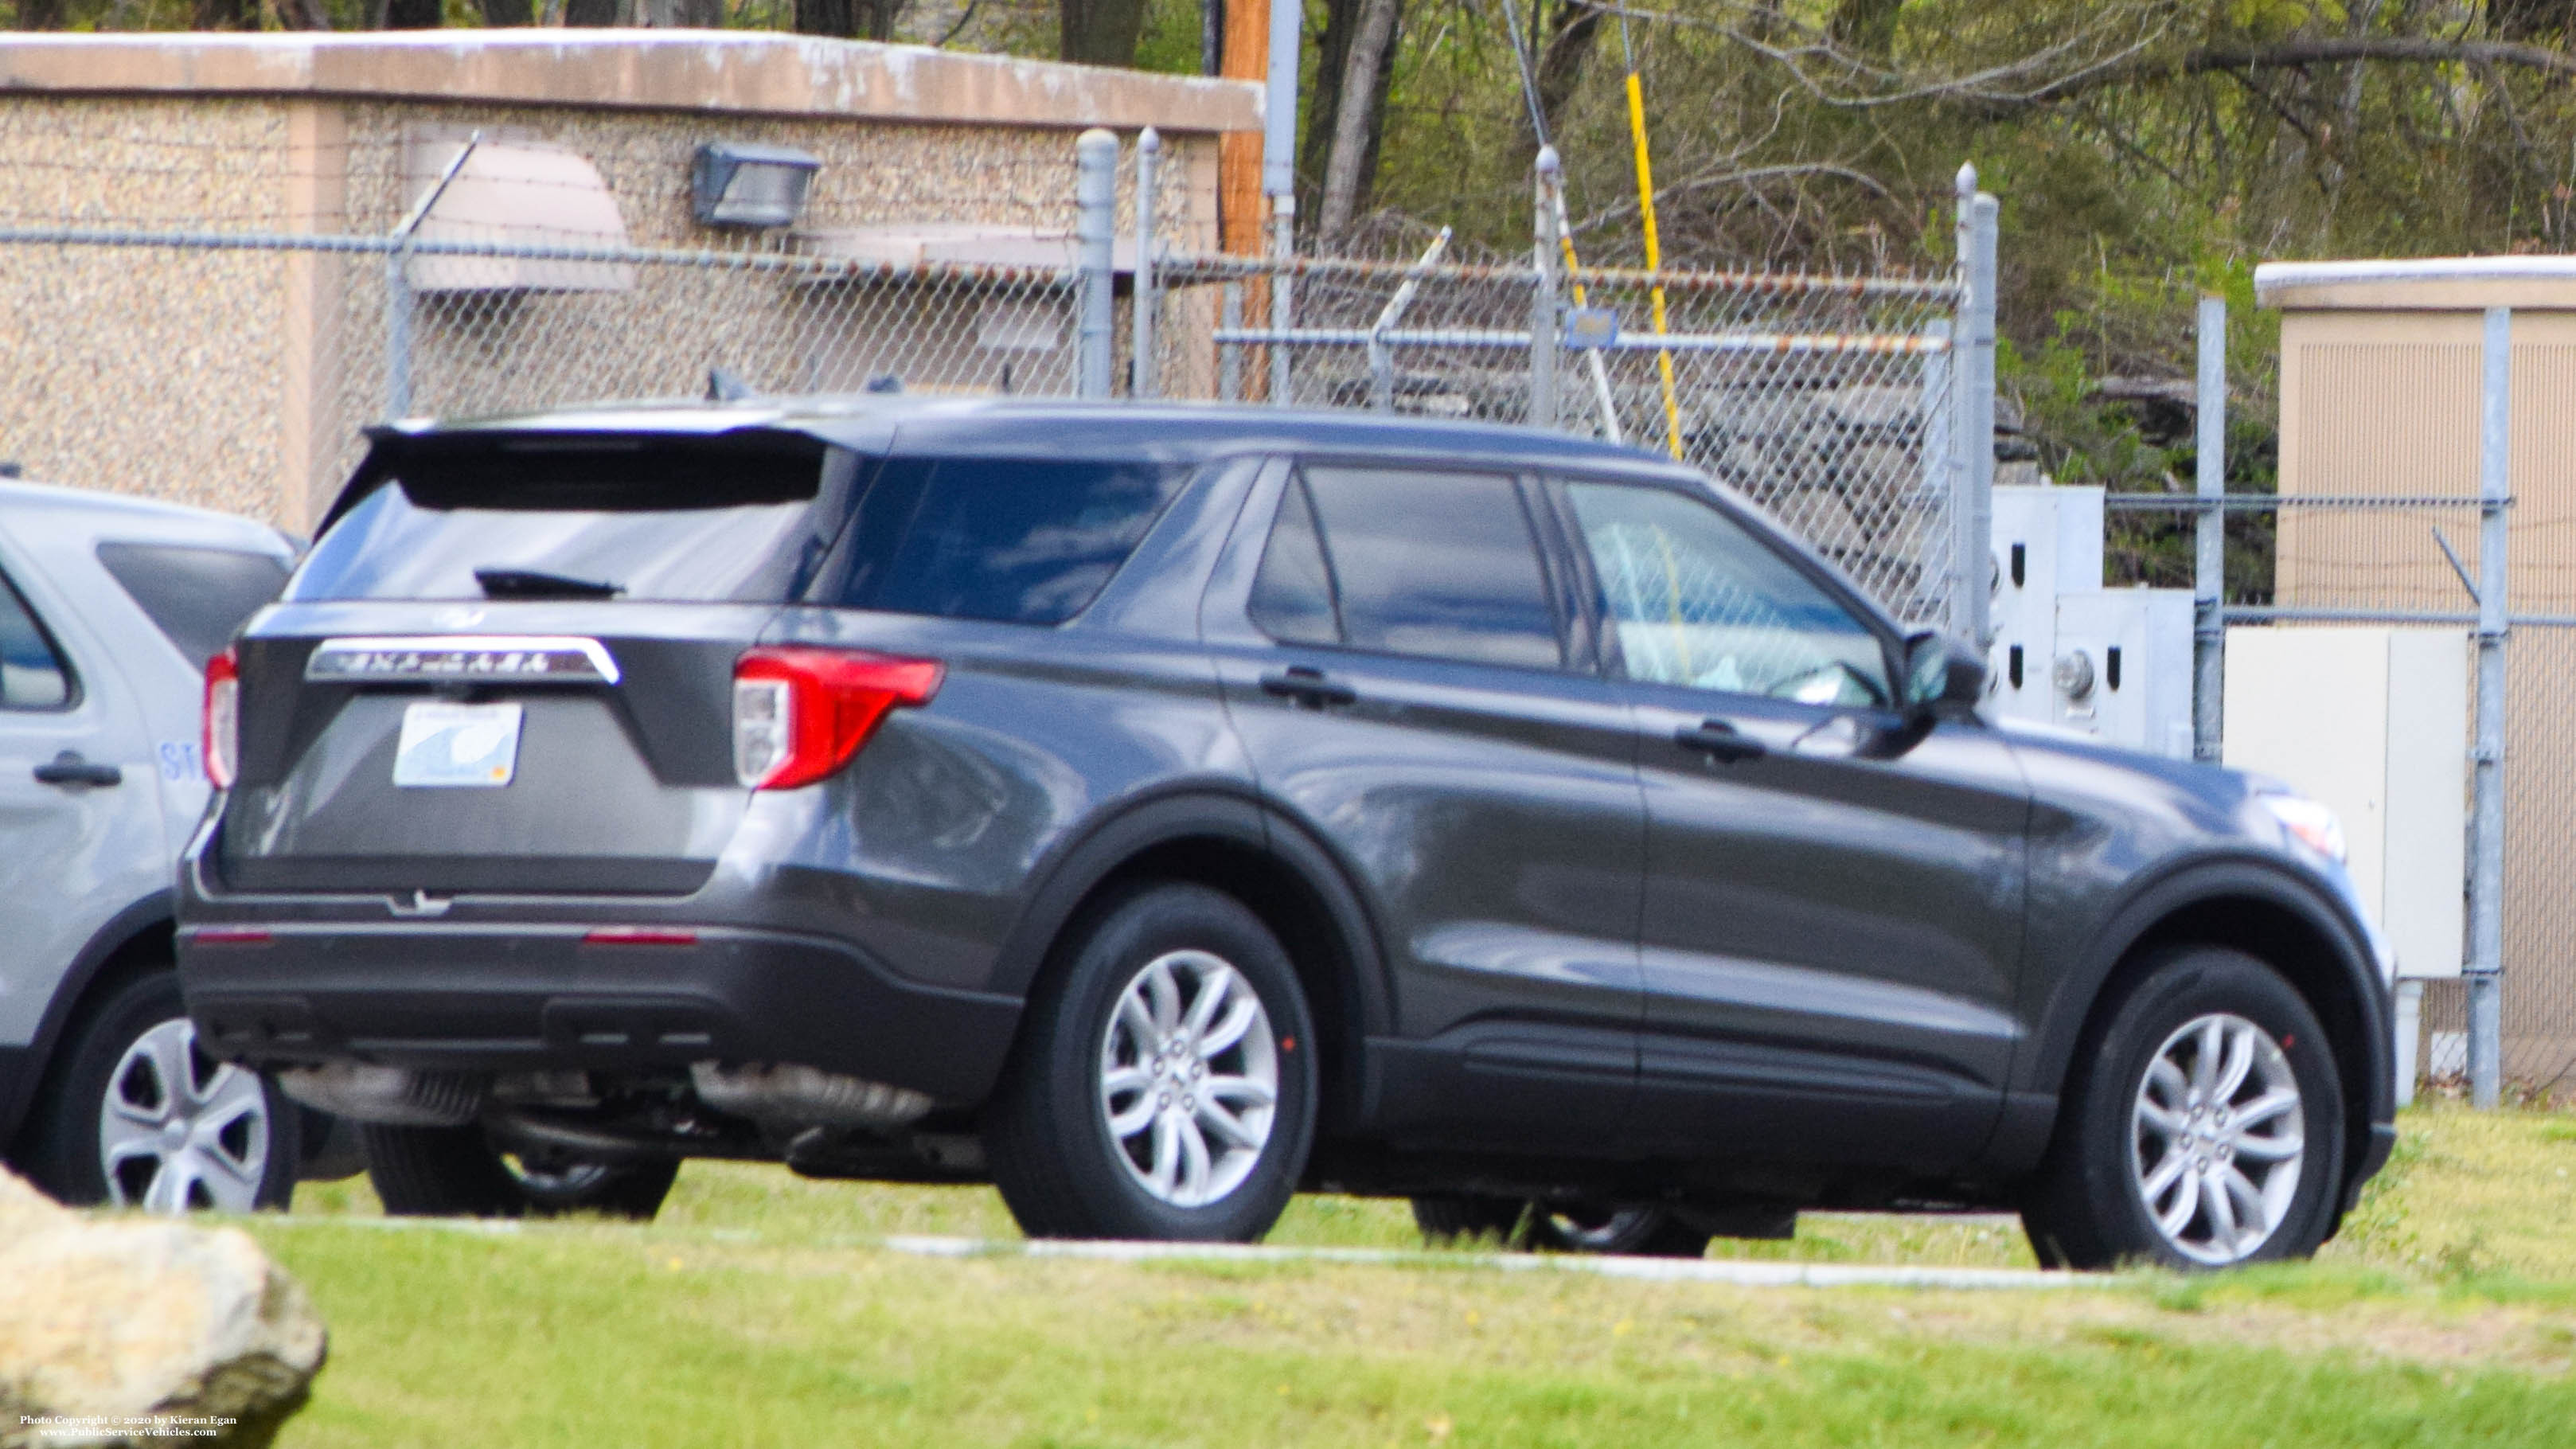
723	386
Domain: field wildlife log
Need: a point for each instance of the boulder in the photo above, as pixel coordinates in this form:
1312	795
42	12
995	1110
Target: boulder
109	1323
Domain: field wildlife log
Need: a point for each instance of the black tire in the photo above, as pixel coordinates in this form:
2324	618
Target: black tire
2088	1206
257	1138
1048	1136
1638	1231
456	1172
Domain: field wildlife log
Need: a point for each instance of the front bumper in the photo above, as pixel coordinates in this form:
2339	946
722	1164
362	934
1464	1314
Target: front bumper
485	997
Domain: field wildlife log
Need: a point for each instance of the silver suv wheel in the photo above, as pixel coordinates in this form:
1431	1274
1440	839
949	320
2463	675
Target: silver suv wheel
2218	1138
178	1131
1189	1078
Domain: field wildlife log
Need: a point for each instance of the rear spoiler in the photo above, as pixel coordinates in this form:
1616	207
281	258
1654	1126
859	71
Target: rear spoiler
541	468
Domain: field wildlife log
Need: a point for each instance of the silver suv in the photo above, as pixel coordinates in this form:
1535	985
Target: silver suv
109	609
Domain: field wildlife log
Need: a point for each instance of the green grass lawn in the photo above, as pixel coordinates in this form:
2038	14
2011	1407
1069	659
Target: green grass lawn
758	1311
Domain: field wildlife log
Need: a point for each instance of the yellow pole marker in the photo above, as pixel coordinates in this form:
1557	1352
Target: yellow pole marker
1654	258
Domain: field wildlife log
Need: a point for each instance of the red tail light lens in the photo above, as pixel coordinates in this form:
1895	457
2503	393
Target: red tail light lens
800	713
222	742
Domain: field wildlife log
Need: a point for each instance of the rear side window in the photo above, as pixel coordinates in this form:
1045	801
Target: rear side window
197	597
1429	563
1017	540
32	673
718	519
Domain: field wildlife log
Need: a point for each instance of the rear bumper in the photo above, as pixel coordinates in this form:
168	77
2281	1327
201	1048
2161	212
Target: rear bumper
530	997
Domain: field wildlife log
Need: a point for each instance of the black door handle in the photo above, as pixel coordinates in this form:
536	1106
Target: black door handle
68	768
1308	687
1717	737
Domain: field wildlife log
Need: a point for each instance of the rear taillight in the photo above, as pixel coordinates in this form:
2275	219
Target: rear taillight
222	742
801	713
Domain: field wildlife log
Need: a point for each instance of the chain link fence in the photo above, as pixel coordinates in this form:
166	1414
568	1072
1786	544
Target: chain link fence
194	322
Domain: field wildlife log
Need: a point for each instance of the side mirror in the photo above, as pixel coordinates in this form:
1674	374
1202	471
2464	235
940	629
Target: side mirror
1942	673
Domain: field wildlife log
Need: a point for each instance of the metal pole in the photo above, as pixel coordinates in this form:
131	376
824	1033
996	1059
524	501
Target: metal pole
1229	355
1381	357
1279	178
1972	521
1544	258
1149	152
1283	312
2209	561
1095	224
398	298
2486	820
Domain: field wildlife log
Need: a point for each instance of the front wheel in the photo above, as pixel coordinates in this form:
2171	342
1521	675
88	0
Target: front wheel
2203	1130
456	1172
139	1116
1164	1085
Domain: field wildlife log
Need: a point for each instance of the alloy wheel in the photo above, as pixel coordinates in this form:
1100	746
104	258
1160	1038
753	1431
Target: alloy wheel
1189	1078
2218	1138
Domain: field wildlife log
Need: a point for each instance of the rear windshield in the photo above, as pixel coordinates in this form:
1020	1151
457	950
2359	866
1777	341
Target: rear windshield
198	597
1019	540
684	520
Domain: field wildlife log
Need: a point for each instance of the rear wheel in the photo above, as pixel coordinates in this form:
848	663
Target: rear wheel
138	1116
456	1172
2203	1129
1644	1231
1164	1086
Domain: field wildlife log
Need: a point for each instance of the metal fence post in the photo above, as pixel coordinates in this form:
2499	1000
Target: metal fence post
398	298
1149	152
1972	522
1283	312
1542	322
2209	560
1095	229
398	308
2486	820
1229	355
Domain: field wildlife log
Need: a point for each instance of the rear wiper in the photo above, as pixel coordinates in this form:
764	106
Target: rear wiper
538	584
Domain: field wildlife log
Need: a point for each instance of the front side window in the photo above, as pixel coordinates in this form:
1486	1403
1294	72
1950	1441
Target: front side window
1436	564
32	672
1692	598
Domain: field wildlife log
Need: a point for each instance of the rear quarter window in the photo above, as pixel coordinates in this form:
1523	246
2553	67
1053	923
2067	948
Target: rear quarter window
198	598
1015	540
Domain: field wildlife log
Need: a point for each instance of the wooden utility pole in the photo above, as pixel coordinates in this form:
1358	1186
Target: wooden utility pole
1246	56
1241	212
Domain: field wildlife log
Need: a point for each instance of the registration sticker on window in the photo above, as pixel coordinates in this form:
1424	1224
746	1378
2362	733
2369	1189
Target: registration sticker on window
457	744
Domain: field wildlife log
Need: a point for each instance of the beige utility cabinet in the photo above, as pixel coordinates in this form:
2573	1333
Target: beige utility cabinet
2374	723
2380	372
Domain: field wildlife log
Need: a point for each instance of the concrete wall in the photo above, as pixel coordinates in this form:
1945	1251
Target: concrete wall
239	379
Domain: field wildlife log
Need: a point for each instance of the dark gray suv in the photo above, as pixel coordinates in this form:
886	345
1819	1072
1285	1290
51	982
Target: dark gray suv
1157	810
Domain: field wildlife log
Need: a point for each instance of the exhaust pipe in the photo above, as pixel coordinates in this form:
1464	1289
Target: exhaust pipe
386	1096
805	1096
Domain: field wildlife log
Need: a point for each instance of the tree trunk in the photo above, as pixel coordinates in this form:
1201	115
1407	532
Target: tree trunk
1323	105
1562	60
591	14
222	15
501	13
1354	121
1101	32
1865	28
40	14
414	14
